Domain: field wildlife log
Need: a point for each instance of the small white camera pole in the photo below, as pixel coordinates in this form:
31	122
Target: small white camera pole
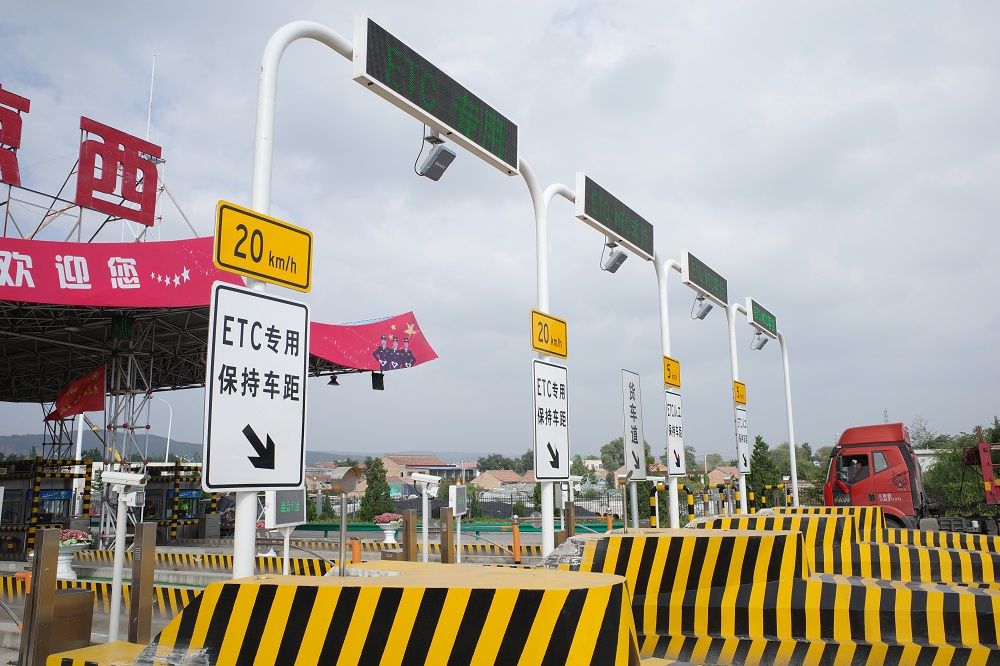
428	483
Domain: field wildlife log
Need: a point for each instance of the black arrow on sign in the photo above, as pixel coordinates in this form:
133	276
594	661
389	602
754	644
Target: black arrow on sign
265	454
744	460
554	455
677	460
636	459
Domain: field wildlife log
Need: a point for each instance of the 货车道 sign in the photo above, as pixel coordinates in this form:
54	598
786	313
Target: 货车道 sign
255	391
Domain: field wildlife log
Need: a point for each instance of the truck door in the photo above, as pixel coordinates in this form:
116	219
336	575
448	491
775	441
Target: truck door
891	481
854	485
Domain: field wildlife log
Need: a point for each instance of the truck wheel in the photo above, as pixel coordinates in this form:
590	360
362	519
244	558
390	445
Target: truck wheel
894	523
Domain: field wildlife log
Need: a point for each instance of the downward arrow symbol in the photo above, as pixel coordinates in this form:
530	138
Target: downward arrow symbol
554	455
677	460
636	459
265	454
744	460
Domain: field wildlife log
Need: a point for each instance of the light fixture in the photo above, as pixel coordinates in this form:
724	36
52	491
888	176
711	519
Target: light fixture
759	340
702	306
333	381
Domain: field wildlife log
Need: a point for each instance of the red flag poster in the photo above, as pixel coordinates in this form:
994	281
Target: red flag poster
389	344
85	394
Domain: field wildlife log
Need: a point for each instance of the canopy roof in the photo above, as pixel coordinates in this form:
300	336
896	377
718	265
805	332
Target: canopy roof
66	308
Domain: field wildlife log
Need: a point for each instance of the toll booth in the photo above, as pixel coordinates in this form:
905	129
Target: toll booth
39	493
175	500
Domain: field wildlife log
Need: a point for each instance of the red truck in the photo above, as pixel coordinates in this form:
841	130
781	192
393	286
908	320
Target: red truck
876	466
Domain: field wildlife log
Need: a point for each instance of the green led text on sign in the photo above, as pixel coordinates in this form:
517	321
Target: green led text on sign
623	222
289	506
708	280
763	318
401	69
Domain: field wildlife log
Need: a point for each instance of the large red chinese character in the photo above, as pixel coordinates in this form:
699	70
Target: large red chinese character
10	135
118	149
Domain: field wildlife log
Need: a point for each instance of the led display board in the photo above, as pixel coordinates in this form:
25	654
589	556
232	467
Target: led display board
606	213
697	275
387	66
761	318
284	508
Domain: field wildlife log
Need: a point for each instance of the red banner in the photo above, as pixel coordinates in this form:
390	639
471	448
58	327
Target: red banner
85	394
389	344
140	275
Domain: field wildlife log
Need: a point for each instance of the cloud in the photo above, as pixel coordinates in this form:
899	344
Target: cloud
837	163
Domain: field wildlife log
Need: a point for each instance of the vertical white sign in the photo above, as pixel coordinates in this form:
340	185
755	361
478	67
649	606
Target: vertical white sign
550	396
742	441
635	449
1	504
255	391
676	464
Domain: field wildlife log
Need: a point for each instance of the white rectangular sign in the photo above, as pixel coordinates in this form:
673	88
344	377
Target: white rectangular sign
635	446
255	391
742	441
1	504
550	397
676	465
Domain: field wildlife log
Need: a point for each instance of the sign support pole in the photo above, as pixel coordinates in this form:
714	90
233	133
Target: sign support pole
540	203
735	367
425	525
659	265
791	424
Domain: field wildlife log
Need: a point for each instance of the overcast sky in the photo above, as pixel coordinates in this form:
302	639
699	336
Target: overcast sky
839	162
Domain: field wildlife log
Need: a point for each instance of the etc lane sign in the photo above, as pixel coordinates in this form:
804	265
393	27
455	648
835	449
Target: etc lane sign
262	247
676	464
742	440
635	448
550	395
255	391
390	68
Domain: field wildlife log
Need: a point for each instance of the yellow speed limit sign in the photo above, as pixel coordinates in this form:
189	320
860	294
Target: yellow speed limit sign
740	393
671	372
548	334
262	247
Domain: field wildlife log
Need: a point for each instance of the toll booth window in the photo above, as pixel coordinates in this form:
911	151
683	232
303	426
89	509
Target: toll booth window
12	512
879	461
854	468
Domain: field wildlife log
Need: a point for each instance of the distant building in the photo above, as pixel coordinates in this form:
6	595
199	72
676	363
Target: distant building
399	467
722	474
494	478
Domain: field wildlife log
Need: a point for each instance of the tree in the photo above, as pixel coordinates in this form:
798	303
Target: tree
526	462
92	454
377	498
472	491
613	455
691	461
713	460
442	493
763	469
311	513
495	461
577	468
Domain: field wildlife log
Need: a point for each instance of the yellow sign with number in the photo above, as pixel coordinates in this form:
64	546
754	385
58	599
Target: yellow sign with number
671	372
548	334
740	393
262	247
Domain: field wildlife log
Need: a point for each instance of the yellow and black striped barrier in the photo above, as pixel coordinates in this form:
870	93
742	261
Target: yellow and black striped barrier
870	519
217	563
914	563
427	614
107	654
168	601
754	587
962	540
826	537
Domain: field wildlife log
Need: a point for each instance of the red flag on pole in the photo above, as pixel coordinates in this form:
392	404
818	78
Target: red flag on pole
85	394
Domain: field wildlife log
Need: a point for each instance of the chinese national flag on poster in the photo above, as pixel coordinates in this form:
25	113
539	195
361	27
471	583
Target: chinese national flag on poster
85	394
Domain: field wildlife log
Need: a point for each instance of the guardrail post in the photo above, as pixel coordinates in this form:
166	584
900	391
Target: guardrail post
447	537
410	535
610	519
36	636
570	519
515	530
356	551
140	611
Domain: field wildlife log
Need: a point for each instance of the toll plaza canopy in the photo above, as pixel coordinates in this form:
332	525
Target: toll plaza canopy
66	308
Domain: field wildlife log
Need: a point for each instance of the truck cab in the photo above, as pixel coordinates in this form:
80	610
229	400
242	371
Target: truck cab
875	466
